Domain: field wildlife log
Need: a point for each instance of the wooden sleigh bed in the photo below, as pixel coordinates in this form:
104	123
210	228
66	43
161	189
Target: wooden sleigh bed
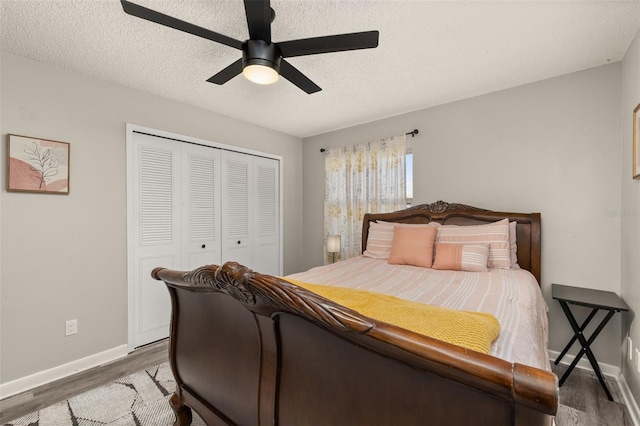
253	349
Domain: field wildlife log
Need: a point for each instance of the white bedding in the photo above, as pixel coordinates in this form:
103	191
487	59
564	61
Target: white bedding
512	296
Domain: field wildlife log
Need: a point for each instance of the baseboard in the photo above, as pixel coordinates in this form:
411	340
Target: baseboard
629	400
611	371
26	383
607	369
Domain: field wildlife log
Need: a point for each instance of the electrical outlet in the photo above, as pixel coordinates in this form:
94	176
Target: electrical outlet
72	327
630	348
638	360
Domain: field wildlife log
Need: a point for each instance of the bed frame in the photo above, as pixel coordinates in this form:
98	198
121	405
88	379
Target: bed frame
252	349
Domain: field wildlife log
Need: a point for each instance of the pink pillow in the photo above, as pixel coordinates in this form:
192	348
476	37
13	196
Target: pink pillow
495	234
462	257
380	237
413	245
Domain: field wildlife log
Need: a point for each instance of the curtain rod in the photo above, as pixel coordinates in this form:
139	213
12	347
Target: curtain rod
413	133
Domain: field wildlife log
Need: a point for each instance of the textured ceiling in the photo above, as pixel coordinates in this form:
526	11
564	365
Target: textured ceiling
430	52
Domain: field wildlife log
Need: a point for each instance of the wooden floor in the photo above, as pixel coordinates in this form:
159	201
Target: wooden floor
582	400
51	393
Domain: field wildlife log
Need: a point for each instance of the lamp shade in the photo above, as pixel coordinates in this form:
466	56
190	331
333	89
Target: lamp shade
333	243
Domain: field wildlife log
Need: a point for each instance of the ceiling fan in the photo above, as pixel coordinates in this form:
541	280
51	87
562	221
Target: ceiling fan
262	60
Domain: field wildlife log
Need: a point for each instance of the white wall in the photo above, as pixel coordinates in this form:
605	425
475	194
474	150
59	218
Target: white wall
550	147
630	212
64	257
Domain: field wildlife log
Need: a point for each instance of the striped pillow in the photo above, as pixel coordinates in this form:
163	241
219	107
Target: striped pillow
462	257
379	240
495	234
513	243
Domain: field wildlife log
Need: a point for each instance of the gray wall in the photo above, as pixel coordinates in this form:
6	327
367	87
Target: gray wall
560	147
65	257
630	213
551	147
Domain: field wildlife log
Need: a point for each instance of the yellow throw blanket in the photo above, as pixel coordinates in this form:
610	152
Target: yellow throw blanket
471	330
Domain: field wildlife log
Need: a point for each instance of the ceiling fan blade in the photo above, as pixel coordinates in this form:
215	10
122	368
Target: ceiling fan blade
228	73
258	19
168	21
334	43
292	74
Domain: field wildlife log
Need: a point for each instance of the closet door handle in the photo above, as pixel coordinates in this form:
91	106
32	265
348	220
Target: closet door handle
239	242
204	245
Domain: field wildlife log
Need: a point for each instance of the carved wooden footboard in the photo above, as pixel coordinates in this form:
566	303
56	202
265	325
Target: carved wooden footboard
252	349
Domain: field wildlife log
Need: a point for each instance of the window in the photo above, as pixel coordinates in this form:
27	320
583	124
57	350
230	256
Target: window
409	176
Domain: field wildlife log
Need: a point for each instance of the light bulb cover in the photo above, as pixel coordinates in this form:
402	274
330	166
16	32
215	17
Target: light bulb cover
260	74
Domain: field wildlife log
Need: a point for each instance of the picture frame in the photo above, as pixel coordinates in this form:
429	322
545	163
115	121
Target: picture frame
37	165
636	142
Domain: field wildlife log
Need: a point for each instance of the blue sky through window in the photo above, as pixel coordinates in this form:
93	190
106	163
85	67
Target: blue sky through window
409	176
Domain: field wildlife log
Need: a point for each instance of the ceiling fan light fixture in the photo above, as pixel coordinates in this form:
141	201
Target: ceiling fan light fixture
260	61
260	74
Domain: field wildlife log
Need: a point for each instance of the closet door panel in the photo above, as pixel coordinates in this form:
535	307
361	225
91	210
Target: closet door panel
153	322
157	238
266	216
201	216
237	194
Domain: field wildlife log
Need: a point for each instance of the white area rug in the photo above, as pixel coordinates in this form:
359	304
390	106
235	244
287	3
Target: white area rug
141	399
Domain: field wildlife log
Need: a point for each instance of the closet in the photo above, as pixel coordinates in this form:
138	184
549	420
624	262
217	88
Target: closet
190	205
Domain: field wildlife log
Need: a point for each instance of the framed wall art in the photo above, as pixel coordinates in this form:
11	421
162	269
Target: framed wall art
37	165
636	142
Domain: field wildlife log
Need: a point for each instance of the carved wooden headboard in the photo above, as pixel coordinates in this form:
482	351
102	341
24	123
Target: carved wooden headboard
527	228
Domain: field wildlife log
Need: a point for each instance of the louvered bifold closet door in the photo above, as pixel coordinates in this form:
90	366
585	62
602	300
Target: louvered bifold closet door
266	216
157	234
237	193
191	205
201	205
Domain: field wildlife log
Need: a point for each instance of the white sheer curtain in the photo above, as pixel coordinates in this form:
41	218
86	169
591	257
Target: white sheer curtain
359	179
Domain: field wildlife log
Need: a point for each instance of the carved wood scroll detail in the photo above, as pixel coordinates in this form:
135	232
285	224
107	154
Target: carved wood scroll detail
250	288
235	285
440	207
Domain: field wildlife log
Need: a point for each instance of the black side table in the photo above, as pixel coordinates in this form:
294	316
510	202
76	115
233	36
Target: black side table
597	300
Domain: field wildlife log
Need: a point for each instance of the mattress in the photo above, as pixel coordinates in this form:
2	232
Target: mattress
511	295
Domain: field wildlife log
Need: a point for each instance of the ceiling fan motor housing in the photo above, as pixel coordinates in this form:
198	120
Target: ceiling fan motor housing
259	52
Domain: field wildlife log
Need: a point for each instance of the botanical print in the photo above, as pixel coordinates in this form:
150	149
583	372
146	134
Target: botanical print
359	179
37	165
